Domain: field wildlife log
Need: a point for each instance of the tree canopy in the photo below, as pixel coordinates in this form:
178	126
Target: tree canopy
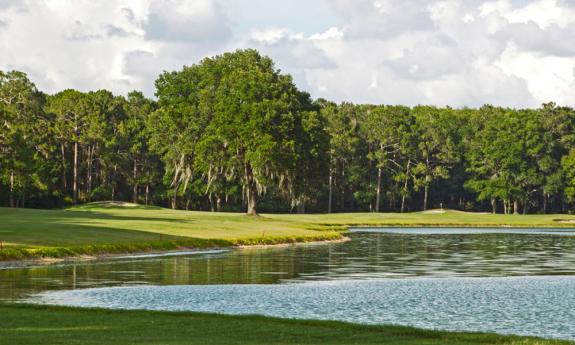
233	132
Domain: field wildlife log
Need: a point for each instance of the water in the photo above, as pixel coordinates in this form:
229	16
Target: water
537	306
520	282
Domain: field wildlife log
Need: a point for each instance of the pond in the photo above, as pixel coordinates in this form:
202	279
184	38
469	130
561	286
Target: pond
509	281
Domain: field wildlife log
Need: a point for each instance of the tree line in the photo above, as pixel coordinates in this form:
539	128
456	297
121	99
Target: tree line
233	133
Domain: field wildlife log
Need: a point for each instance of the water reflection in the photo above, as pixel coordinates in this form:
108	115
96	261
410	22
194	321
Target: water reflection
367	256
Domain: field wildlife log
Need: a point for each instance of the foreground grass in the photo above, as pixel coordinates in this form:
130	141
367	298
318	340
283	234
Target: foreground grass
25	324
100	228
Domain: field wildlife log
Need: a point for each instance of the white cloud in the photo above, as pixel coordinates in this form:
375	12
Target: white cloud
291	49
187	21
543	71
273	35
553	40
542	12
90	45
331	33
383	18
444	52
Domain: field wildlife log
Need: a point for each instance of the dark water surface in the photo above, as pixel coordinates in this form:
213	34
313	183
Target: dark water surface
521	282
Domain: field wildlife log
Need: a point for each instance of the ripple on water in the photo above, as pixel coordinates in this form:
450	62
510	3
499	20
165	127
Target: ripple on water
536	306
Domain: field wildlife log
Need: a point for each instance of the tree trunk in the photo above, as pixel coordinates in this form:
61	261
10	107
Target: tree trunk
75	182
211	201
90	159
64	182
515	207
525	205
147	192
135	186
330	190
301	207
494	205
251	194
343	184
12	205
378	191
251	190
426	192
175	197
545	197
218	203
405	187
114	182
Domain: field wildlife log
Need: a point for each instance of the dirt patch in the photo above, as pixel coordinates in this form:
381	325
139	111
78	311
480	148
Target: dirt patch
434	211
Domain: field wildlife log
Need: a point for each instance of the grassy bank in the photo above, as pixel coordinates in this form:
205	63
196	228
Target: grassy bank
60	325
108	228
100	228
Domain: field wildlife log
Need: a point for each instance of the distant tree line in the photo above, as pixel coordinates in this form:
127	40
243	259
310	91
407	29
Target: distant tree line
233	133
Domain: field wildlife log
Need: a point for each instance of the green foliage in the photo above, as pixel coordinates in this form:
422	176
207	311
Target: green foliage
232	132
513	154
568	165
21	134
236	119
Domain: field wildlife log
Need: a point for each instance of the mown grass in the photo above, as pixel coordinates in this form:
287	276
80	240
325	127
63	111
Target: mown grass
29	324
434	218
100	228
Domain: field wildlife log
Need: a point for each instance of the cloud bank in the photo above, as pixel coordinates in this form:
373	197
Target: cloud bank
443	52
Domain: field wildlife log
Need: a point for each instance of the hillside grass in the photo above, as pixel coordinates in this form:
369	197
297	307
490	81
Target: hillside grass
107	227
30	324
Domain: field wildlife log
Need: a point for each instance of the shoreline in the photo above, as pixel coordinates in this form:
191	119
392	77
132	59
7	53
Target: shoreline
15	264
283	245
561	224
276	243
25	257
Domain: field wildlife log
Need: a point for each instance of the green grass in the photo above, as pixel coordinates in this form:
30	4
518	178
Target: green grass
25	324
99	228
435	218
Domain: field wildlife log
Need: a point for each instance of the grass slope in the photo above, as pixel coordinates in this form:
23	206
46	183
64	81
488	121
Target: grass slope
107	227
24	324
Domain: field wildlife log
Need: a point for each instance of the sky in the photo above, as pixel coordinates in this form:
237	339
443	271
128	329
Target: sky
517	53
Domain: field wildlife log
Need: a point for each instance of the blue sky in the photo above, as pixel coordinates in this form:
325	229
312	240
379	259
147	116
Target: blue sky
444	52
